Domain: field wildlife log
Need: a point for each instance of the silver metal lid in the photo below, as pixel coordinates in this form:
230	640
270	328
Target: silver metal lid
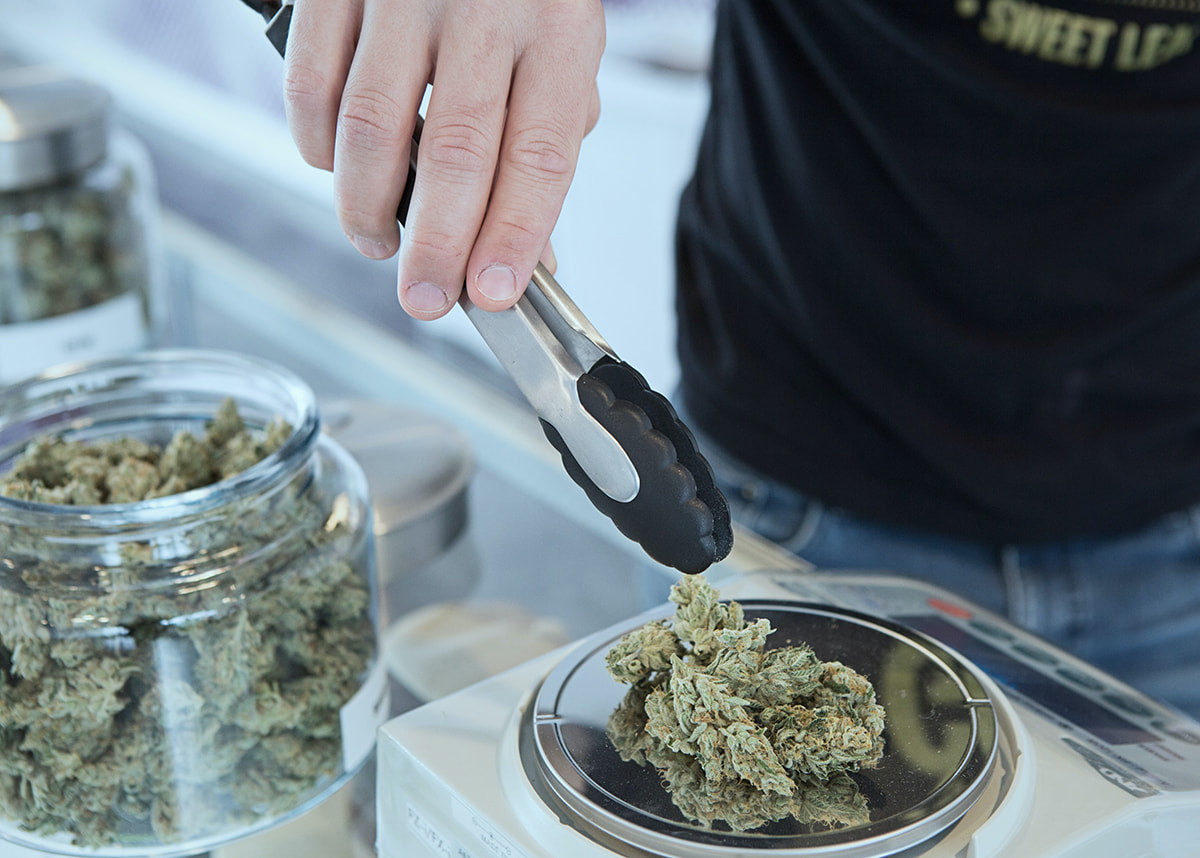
941	750
51	125
418	468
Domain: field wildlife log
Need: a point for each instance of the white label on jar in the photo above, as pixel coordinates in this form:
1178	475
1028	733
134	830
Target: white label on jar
110	329
363	714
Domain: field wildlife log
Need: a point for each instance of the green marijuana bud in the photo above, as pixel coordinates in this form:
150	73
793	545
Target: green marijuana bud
742	734
68	246
185	683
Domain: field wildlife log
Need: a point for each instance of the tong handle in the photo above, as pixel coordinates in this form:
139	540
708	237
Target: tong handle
278	15
573	329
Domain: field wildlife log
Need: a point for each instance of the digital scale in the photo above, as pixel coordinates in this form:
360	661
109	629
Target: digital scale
997	744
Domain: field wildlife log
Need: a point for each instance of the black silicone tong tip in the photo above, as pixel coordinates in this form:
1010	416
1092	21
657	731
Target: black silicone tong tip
679	516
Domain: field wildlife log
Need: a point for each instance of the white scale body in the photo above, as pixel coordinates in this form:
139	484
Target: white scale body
1086	767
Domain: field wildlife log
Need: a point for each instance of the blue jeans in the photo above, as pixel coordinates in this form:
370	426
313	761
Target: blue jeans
1129	604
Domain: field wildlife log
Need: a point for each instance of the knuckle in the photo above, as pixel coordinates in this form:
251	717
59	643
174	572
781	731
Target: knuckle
520	239
516	235
458	148
369	118
434	248
543	153
310	102
359	220
305	88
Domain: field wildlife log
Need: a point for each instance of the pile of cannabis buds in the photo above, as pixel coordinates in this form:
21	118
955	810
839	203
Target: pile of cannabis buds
71	245
739	733
169	713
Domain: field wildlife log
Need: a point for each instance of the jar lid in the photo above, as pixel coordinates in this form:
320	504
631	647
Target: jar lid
51	125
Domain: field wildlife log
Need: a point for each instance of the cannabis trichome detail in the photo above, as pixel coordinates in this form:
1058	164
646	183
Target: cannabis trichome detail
180	683
742	734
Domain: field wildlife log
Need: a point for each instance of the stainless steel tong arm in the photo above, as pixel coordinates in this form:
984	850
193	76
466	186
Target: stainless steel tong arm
545	350
566	321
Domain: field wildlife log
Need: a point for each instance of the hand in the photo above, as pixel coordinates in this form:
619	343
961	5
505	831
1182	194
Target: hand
514	93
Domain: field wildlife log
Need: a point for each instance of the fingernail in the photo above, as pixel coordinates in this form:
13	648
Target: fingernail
497	282
370	248
426	298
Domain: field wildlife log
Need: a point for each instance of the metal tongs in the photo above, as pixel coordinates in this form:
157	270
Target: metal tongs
619	440
546	345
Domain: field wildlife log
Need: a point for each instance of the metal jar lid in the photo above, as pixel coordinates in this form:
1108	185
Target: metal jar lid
51	126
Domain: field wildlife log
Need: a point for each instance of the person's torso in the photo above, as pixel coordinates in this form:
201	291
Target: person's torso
940	260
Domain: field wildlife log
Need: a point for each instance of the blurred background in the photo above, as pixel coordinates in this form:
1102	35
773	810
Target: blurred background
200	85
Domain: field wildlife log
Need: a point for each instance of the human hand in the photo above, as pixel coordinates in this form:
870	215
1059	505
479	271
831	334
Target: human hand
513	95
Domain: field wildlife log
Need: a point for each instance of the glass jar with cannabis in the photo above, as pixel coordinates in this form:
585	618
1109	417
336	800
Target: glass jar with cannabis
188	629
80	271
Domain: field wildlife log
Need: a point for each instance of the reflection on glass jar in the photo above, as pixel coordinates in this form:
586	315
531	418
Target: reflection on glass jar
179	671
79	267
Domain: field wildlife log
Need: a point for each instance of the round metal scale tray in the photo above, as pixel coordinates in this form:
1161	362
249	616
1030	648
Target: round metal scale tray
941	746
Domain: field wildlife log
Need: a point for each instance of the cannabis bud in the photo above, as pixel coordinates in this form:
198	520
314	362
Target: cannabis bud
742	734
183	682
68	246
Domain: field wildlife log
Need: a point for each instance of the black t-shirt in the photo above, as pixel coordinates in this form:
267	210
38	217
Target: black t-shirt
939	263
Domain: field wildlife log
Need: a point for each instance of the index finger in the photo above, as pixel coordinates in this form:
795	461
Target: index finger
457	160
552	105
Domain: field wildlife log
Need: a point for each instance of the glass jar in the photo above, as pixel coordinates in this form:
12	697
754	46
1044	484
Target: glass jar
79	264
179	672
